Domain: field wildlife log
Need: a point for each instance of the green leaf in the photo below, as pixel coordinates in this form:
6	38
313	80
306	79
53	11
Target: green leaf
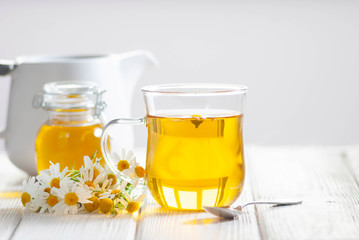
94	155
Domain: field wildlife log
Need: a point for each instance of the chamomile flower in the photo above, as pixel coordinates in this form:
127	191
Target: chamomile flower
110	175
92	173
106	205
136	172
52	177
124	161
94	205
101	188
112	178
33	195
132	205
114	193
92	188
69	194
50	201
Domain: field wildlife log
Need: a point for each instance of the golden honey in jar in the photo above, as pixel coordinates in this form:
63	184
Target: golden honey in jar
73	128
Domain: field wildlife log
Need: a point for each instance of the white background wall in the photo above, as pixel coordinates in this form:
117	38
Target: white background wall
299	58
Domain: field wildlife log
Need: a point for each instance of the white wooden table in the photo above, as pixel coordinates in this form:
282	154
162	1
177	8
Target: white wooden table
325	178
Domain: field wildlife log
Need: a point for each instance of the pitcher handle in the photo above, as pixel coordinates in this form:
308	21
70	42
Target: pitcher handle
6	66
3	133
104	135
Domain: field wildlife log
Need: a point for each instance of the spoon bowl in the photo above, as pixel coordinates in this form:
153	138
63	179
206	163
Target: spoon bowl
233	212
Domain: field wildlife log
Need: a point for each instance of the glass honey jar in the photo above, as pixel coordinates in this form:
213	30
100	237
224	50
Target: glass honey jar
73	127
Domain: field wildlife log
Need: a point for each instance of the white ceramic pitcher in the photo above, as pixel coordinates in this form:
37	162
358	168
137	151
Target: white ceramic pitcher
115	73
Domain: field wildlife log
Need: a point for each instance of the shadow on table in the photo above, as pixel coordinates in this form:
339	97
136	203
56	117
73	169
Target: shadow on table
157	210
198	217
206	221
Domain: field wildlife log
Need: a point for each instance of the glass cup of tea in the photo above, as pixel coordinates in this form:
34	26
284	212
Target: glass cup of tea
194	146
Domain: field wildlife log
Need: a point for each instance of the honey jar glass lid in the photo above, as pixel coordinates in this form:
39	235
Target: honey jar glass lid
70	95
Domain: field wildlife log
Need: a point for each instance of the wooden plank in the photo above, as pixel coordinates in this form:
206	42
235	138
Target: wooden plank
10	213
81	226
351	158
158	223
11	209
325	178
316	175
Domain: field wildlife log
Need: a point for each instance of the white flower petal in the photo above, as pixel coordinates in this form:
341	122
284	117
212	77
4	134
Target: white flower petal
128	197
63	173
87	161
140	198
123	185
130	155
73	209
135	182
123	202
123	154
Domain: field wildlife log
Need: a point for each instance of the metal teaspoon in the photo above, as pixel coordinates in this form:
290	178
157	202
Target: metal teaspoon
232	212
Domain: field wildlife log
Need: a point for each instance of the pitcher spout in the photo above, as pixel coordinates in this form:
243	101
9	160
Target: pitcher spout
132	65
141	57
129	67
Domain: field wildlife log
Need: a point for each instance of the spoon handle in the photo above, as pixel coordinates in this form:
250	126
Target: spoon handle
275	203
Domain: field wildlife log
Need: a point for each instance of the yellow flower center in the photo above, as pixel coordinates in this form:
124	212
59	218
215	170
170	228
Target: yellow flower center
106	205
52	200
116	192
132	207
55	182
90	184
25	198
48	190
122	165
96	172
140	171
71	198
90	207
111	177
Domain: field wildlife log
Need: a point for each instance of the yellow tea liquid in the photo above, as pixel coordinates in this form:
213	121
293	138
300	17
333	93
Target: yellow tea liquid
67	145
195	159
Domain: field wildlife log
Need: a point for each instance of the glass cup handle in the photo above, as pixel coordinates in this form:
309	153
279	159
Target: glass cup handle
104	135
